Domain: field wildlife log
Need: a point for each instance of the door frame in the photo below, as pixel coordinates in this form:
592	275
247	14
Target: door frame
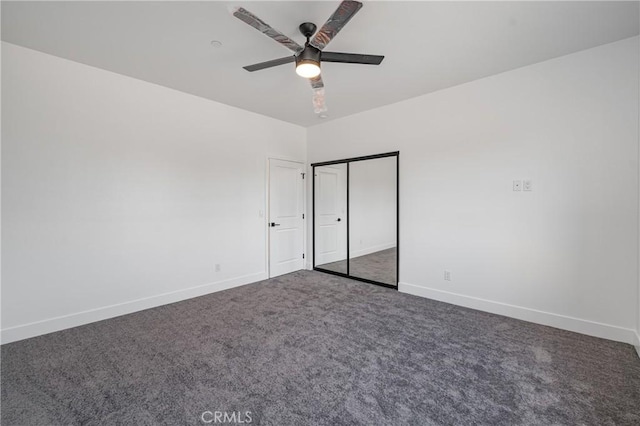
267	210
313	216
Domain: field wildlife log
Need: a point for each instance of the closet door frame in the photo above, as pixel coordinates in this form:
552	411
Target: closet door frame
347	161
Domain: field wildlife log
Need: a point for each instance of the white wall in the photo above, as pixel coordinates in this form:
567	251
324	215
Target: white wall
565	254
120	195
372	206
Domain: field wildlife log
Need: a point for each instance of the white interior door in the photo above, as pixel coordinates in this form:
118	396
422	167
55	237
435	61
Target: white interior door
286	223
331	243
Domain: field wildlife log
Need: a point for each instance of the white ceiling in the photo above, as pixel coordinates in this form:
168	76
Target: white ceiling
428	45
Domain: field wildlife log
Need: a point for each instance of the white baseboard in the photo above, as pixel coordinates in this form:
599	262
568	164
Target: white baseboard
50	325
368	250
637	343
563	322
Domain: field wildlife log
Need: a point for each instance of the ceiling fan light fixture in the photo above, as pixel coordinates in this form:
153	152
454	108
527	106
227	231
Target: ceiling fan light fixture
308	69
308	62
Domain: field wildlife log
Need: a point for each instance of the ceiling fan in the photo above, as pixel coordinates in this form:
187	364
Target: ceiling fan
309	57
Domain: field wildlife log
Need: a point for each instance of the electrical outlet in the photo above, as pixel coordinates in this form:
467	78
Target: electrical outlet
447	275
527	185
217	267
517	185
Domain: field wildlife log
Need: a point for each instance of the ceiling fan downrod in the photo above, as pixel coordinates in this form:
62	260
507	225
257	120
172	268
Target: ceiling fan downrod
308	61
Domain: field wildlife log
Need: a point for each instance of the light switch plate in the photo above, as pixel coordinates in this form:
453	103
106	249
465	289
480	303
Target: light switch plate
527	185
517	185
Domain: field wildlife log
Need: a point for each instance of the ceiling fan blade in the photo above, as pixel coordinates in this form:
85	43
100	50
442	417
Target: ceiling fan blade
351	58
339	19
319	106
316	82
269	64
317	85
249	18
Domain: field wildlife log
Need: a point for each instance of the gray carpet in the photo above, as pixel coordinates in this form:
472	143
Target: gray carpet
379	266
312	348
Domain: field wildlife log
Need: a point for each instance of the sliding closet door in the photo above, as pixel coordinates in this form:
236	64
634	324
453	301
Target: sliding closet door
373	225
355	218
330	218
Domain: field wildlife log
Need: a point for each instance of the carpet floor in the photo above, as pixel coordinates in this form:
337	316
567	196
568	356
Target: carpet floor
312	348
379	266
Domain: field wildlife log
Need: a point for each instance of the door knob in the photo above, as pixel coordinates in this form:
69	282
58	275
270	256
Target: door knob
274	224
338	220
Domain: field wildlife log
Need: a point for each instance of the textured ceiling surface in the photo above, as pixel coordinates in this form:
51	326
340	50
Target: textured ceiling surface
428	45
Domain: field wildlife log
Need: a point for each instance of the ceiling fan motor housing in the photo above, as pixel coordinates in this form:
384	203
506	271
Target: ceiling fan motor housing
310	55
